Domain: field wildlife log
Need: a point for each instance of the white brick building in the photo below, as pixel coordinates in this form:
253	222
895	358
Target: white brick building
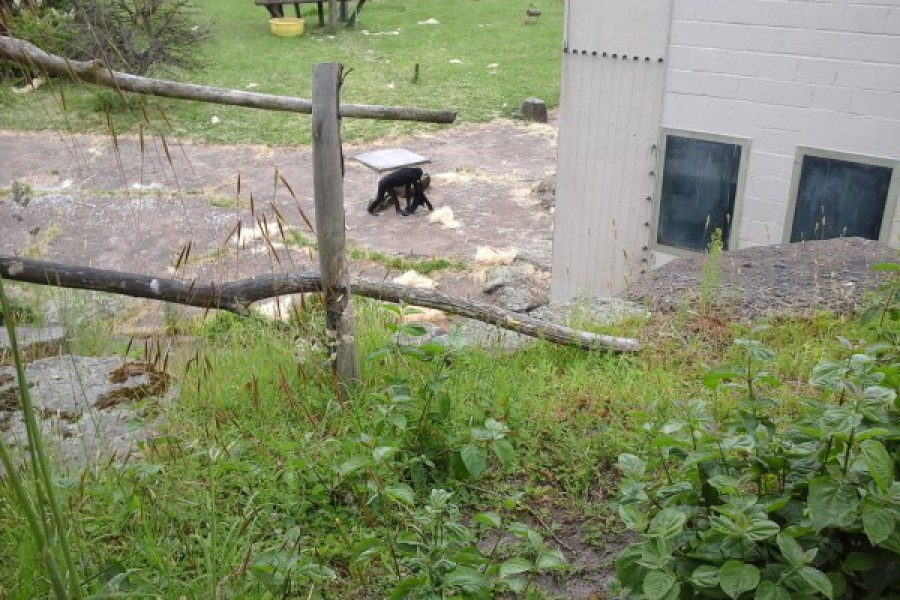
772	120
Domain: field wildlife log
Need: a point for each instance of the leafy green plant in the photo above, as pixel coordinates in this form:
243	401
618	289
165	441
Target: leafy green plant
750	505
414	418
19	313
436	555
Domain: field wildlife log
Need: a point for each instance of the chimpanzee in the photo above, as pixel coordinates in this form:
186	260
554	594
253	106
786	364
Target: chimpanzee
276	10
410	181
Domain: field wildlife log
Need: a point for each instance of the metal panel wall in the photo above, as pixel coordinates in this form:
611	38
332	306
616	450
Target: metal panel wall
611	102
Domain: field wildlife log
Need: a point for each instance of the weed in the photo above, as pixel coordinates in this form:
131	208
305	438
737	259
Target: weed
711	275
423	266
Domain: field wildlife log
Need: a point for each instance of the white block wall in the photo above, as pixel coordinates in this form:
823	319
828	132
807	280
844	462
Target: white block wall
785	73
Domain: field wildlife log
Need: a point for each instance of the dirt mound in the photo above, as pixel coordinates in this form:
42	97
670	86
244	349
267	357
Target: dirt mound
790	279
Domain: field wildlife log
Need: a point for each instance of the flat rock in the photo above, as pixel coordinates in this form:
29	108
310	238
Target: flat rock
89	409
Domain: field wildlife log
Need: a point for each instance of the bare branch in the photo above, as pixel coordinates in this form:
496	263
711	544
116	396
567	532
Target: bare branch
238	295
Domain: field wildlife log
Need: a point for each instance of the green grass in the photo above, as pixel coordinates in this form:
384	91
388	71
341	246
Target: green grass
246	476
241	52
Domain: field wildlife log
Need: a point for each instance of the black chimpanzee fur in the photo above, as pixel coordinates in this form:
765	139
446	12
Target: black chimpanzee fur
412	181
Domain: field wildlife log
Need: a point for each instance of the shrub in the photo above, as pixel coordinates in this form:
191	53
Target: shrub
137	35
753	507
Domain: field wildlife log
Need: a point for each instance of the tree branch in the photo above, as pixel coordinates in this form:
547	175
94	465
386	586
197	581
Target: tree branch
238	295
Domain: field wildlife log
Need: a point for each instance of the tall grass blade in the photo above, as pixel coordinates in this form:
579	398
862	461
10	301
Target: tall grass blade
43	484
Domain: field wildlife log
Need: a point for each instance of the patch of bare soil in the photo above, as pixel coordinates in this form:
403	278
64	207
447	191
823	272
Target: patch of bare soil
786	280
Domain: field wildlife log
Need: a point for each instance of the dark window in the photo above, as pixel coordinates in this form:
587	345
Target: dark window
699	188
839	198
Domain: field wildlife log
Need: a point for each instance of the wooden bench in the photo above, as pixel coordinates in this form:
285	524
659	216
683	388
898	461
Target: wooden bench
280	4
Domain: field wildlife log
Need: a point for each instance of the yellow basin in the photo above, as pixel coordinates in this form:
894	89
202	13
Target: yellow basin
286	26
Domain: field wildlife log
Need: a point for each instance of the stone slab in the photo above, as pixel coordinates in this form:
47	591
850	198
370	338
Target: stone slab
390	158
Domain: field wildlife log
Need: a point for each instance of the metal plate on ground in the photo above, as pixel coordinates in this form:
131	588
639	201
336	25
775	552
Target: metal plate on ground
390	158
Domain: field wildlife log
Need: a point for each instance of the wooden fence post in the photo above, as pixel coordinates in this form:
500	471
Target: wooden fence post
328	186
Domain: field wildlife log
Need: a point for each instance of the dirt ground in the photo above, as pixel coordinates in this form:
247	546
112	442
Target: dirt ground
83	200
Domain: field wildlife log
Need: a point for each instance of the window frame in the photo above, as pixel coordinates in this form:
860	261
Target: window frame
734	233
890	202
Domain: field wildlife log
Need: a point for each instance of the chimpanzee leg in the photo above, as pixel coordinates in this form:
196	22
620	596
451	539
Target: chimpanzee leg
275	10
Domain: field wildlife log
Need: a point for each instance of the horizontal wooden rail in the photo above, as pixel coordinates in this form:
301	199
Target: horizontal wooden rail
97	73
238	295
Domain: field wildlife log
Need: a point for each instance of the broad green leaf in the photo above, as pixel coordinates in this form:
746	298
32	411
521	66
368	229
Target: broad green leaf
489	519
497	429
522	530
400	493
715	377
705	576
741	442
413	352
736	577
474	458
873	432
831	504
878	522
634	517
656	553
466	580
657	584
550	560
367	549
790	550
470	556
352	465
828	375
755	350
384	452
879	463
878	394
517	585
631	465
629	572
407	586
433	348
504	452
761	529
672	426
667	523
413	329
769	591
817	580
514	566
480	434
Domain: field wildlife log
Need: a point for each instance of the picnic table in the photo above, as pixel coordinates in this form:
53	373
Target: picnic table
276	8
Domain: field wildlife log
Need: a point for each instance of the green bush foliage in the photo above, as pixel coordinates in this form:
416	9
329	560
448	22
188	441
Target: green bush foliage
755	505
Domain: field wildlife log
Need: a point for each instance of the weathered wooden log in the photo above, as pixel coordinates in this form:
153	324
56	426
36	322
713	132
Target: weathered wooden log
95	72
238	295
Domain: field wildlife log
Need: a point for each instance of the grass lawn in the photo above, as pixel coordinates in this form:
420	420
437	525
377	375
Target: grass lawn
481	60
